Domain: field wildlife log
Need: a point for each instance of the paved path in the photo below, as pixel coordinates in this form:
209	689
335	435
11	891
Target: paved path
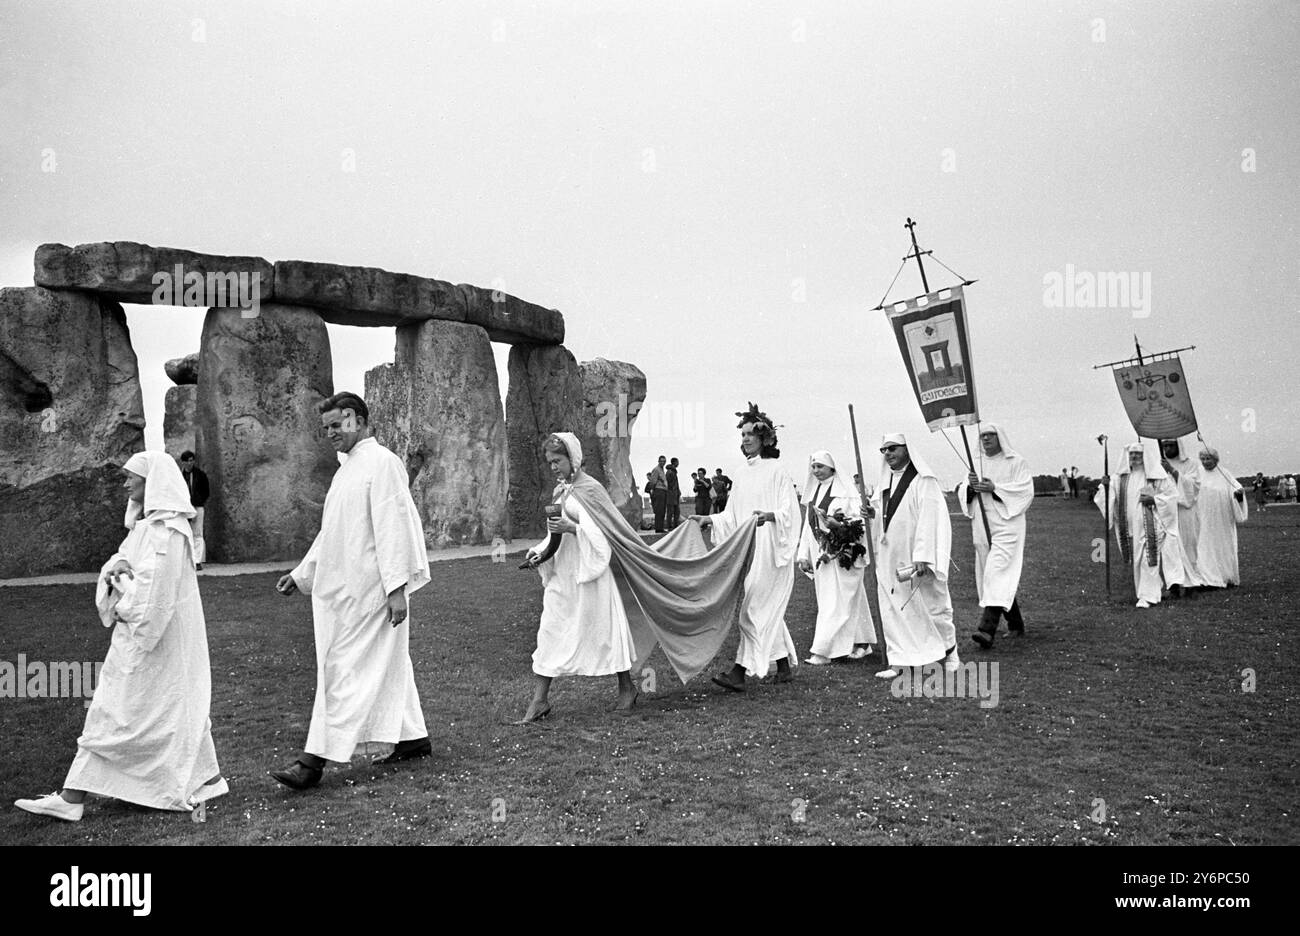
518	547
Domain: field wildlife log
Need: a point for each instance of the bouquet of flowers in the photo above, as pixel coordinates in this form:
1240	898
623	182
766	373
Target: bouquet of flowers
841	539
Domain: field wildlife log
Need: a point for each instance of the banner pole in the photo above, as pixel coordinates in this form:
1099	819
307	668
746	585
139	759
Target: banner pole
1105	533
871	546
979	494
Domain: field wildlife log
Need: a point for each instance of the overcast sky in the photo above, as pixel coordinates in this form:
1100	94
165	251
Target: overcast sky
712	191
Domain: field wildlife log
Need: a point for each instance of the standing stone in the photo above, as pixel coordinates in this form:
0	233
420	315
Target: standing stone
438	407
612	395
70	416
183	370
178	420
258	432
545	396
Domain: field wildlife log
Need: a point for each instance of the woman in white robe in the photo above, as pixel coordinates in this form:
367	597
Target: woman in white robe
844	625
584	628
147	737
1220	506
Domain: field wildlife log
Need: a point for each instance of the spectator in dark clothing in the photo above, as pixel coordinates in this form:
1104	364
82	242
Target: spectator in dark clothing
674	513
197	482
721	485
703	492
657	487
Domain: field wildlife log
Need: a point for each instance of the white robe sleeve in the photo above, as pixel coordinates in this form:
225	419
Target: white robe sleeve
932	541
305	572
807	543
725	523
1189	488
786	510
1166	495
593	547
1015	492
395	525
148	610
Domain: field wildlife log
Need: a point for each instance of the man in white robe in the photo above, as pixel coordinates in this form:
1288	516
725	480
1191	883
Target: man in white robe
1185	472
844	626
1140	494
147	737
1006	490
1219	508
762	488
368	557
914	538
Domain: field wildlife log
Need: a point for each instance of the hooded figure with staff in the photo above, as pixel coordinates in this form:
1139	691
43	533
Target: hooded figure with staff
1143	506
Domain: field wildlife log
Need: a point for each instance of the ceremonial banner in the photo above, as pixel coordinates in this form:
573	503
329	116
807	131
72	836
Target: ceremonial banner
931	332
1156	399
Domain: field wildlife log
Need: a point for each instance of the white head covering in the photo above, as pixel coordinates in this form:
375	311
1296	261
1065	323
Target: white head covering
166	496
1151	467
897	438
838	486
1007	450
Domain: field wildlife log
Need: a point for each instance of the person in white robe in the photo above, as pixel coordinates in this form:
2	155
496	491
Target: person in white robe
1143	512
913	551
147	737
844	626
1006	489
1185	471
365	562
762	489
584	627
1219	508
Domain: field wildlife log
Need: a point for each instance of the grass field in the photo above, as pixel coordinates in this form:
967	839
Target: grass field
1101	702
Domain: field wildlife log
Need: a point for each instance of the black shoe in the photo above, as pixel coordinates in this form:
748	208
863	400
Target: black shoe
724	680
299	776
983	638
408	750
1016	632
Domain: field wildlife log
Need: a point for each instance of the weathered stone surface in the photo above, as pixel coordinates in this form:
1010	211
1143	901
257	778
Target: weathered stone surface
348	295
438	407
69	522
73	353
258	431
612	394
125	271
544	396
178	420
183	370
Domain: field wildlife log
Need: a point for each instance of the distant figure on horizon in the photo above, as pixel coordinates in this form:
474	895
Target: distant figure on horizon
1260	486
1074	481
703	489
1065	483
721	491
657	487
673	515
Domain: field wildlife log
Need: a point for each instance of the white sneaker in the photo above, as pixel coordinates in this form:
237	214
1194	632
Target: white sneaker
816	659
52	805
1143	603
209	791
952	662
859	652
890	673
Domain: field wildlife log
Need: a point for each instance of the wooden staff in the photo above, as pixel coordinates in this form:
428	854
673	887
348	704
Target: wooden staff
1105	485
866	521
